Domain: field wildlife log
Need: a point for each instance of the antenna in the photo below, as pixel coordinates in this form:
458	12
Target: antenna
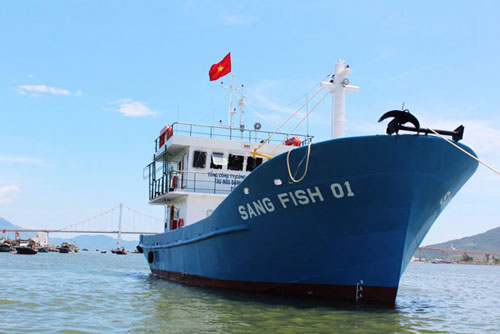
241	104
231	87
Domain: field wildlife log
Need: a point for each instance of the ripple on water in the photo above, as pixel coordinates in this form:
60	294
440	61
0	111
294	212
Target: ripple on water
99	293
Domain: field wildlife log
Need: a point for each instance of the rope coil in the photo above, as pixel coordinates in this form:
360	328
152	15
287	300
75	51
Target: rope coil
306	168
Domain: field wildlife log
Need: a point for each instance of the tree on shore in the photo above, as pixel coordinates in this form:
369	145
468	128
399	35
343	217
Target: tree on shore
467	258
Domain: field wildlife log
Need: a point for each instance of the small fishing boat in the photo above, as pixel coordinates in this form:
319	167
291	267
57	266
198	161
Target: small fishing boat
5	247
119	250
25	250
66	248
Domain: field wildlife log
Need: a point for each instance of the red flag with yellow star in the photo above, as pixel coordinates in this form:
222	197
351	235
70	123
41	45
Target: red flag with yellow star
221	68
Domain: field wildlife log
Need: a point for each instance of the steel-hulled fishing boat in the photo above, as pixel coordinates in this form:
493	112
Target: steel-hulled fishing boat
338	219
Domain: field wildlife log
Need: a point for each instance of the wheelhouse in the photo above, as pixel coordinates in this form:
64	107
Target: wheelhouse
196	166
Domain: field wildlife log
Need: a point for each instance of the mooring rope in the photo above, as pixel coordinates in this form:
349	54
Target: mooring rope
289	118
303	119
470	155
305	170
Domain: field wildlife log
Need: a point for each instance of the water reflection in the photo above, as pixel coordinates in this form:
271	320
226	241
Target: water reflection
177	308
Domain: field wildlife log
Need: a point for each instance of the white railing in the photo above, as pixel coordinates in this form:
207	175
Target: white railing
236	134
222	182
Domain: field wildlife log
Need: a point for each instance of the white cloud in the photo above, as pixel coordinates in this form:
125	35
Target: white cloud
9	193
37	90
131	108
24	160
234	18
261	95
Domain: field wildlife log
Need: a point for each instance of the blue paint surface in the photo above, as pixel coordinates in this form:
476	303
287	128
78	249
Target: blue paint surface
396	188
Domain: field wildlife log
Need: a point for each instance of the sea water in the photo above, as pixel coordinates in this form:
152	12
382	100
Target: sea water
90	292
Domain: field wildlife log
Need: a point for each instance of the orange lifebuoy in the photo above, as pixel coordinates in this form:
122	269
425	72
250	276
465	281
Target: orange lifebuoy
170	131
174	182
165	134
180	223
294	141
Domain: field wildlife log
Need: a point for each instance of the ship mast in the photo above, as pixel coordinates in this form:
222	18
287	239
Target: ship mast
231	88
338	86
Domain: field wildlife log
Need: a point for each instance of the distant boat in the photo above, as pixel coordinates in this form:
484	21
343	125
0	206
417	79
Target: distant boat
119	251
85	249
26	250
5	247
43	250
66	248
103	251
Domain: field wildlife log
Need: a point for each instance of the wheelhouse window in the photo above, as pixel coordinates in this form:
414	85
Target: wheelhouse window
218	160
252	163
235	162
199	159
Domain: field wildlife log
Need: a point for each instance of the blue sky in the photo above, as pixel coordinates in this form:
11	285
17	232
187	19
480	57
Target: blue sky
86	86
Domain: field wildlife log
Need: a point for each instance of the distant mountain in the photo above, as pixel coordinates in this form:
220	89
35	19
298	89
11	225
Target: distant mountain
488	241
5	224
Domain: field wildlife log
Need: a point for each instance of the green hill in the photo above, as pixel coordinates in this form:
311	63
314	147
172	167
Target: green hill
5	224
488	241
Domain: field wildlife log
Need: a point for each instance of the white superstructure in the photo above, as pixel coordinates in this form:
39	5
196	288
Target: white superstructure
196	166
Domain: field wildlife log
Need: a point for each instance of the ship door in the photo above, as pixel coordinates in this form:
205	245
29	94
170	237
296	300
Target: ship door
173	217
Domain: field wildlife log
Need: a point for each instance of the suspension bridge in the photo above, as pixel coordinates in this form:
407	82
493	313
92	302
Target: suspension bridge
120	219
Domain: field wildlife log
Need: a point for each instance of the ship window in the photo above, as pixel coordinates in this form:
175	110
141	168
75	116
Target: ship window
252	163
218	160
235	162
199	159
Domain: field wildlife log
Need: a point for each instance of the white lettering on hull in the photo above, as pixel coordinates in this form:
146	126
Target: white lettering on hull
296	198
256	208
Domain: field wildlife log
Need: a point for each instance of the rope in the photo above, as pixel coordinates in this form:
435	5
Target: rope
470	155
304	118
289	118
305	170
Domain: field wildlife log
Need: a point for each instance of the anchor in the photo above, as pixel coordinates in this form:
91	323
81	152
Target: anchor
401	117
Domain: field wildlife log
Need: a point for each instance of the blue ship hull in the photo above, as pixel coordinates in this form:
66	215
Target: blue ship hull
347	231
